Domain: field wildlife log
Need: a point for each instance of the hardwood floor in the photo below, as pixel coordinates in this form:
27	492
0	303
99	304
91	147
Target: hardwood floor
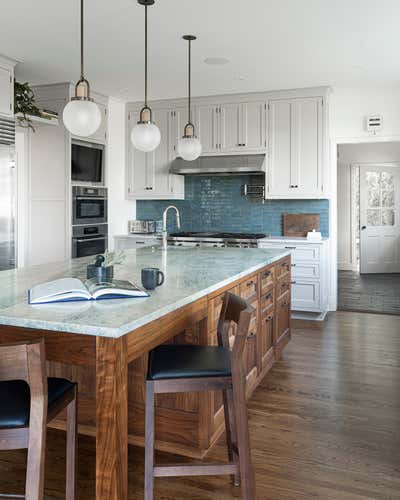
378	293
325	424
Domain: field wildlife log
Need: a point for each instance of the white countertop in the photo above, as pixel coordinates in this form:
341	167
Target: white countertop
191	273
291	239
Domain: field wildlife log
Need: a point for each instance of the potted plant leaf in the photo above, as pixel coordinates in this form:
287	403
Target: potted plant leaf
24	104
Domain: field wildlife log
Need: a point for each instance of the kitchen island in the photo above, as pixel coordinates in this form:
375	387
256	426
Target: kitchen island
103	345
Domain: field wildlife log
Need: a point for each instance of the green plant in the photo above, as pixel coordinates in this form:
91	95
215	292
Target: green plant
113	258
24	103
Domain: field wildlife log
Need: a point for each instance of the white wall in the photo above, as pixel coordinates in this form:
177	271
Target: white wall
120	210
346	257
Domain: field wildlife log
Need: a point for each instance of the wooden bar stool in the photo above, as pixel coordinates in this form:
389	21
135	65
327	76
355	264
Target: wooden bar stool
186	368
28	400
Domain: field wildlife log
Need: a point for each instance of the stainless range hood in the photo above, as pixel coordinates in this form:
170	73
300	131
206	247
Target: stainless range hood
220	165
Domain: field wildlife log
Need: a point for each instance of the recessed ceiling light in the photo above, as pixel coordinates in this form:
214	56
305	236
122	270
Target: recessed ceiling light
216	61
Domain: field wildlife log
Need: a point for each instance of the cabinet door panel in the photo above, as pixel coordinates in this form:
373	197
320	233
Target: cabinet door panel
139	166
230	128
6	92
161	155
207	128
279	127
306	295
282	318
266	335
306	145
254	126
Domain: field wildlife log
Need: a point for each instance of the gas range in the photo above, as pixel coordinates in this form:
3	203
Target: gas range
215	239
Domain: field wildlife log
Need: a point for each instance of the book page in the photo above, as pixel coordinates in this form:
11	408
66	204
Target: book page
114	288
57	290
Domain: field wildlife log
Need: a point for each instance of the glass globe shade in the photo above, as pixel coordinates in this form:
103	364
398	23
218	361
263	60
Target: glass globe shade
81	117
145	136
189	148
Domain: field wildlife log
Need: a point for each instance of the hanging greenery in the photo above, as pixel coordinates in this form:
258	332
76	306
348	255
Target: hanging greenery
24	104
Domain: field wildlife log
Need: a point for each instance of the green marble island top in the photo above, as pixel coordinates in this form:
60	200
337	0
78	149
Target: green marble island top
190	274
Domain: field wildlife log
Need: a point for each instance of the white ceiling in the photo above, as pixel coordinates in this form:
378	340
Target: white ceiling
272	44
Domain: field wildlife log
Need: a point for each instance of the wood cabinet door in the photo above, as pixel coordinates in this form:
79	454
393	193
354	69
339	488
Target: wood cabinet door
6	92
282	317
139	165
230	128
249	289
306	146
253	123
206	122
279	147
266	340
267	279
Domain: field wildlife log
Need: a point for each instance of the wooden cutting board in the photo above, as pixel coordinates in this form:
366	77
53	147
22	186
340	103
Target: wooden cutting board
299	224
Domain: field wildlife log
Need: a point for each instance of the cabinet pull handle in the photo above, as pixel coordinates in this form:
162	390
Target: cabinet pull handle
285	304
290	248
249	283
266	274
268	318
269	296
293	265
293	282
251	335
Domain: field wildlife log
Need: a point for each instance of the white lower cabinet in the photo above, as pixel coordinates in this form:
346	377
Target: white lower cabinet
148	176
309	272
130	242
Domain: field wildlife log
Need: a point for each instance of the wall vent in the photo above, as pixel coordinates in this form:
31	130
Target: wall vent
373	123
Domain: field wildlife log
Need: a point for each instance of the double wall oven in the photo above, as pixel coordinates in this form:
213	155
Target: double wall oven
89	221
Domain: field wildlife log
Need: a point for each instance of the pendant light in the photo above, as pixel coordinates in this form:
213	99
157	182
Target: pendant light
145	135
189	147
81	115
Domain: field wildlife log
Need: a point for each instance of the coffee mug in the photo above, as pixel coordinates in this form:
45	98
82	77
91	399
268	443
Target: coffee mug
152	277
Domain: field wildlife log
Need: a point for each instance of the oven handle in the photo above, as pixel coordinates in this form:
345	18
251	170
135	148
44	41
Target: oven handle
89	239
90	198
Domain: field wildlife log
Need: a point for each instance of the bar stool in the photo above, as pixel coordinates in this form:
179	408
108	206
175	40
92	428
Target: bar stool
27	402
186	368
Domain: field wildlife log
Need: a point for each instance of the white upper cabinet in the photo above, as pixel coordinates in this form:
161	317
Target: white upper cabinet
232	128
6	87
295	130
148	174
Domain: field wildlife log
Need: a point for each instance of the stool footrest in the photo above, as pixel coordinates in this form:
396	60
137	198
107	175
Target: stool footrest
212	469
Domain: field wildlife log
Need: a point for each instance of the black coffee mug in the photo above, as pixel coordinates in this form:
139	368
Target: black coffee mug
152	277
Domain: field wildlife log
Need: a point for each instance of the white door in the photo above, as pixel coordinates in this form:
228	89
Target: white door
6	89
379	219
306	146
207	128
230	130
254	126
279	182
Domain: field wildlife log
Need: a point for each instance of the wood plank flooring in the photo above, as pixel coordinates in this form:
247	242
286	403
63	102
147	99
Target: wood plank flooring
378	293
325	424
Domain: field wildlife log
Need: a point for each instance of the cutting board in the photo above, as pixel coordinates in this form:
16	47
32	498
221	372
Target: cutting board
299	224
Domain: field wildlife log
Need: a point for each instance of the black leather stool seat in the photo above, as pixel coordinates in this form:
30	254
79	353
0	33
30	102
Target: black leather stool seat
188	361
15	400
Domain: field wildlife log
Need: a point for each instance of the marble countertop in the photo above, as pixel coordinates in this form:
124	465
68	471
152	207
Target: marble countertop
296	239
190	274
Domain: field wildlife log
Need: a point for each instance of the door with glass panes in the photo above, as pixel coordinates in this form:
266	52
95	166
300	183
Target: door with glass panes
379	218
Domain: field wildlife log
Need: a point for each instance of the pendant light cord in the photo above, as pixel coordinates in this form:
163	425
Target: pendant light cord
82	42
145	57
190	80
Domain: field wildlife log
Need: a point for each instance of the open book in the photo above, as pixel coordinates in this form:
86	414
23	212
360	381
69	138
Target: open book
70	289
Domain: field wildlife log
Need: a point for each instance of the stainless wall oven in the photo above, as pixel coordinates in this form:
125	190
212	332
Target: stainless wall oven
89	240
89	205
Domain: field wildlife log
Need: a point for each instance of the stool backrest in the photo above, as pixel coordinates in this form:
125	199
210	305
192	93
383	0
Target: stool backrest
27	361
234	310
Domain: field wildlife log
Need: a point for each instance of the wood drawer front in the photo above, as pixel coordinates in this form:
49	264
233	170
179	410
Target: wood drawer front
267	302
282	270
304	252
267	279
306	295
306	270
249	289
282	287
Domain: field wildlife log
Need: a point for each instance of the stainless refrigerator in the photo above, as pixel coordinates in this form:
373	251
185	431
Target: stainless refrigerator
7	194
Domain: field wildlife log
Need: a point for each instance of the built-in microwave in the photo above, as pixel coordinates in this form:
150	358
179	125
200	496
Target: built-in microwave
89	205
87	162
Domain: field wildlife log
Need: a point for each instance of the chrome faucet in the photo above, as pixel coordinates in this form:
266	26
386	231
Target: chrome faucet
164	225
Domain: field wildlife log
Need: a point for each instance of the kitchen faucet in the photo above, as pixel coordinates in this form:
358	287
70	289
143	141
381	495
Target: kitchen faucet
164	225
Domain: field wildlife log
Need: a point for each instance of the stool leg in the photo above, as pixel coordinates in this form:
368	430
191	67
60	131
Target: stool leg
230	431
242	428
71	448
149	442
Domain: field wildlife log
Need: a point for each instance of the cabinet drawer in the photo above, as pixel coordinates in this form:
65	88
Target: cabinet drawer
282	270
267	303
282	287
306	295
304	252
249	289
305	270
267	279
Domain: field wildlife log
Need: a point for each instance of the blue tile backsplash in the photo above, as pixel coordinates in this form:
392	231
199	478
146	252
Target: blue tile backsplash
215	203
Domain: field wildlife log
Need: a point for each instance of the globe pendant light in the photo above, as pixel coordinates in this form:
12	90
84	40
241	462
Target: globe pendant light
145	135
189	147
81	115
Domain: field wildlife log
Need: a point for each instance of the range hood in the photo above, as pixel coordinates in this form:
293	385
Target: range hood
220	165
